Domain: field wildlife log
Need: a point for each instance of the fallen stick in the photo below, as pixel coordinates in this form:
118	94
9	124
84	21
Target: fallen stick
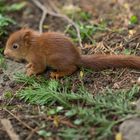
23	123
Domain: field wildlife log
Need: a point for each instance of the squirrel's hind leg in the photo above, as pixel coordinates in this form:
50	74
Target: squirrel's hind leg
65	72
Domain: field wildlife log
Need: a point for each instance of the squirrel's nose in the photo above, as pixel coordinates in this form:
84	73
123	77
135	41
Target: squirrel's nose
6	53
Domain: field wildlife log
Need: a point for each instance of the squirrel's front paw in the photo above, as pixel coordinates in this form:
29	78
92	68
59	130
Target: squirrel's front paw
30	72
54	75
29	65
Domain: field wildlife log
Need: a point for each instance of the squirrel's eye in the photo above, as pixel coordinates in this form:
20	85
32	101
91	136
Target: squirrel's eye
15	46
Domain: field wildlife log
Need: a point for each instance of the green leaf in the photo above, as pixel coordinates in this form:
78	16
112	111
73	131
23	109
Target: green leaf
16	6
134	19
85	15
77	121
59	108
52	112
70	113
4	22
127	51
44	133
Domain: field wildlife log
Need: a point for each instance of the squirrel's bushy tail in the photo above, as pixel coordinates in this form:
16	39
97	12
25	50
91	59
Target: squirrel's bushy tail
100	62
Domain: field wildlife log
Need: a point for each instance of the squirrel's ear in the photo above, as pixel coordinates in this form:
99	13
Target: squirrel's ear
27	36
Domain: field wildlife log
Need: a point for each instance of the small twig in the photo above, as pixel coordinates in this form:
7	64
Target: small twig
134	71
133	38
137	46
23	123
32	133
46	11
42	21
9	129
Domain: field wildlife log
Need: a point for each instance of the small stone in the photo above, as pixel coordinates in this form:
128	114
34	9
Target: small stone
130	129
6	78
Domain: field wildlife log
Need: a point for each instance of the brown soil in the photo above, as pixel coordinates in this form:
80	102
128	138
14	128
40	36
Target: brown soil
117	15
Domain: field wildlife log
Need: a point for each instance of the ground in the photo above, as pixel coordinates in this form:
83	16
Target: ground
112	30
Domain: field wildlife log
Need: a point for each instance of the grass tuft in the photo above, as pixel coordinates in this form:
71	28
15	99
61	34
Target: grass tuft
102	111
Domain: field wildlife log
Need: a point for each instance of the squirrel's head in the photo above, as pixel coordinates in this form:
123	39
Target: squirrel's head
18	44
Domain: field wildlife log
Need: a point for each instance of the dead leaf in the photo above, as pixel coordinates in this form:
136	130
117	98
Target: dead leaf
56	121
118	136
88	46
46	26
81	74
70	9
132	32
126	5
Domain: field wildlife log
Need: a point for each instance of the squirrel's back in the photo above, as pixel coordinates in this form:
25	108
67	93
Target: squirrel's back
58	44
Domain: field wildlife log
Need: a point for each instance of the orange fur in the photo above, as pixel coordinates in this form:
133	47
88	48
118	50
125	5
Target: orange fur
57	51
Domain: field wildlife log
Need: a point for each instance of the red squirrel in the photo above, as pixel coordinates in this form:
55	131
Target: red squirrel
58	51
